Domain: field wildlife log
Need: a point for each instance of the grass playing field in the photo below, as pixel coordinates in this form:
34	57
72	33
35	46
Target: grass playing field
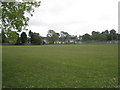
60	66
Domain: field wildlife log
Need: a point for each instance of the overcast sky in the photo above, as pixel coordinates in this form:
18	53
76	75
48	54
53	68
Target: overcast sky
76	17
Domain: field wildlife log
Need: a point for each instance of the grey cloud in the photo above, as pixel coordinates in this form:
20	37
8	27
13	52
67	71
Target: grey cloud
75	15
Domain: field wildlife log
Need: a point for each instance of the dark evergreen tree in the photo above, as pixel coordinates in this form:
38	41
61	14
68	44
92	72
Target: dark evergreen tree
23	38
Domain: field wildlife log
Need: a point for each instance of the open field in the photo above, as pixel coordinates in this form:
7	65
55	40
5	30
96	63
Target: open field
60	66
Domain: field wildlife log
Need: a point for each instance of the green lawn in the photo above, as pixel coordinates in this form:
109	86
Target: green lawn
60	66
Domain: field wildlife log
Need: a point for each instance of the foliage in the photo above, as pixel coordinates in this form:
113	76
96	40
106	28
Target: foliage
103	36
23	38
35	38
64	36
95	35
14	18
12	37
113	34
52	36
86	37
13	15
4	38
18	42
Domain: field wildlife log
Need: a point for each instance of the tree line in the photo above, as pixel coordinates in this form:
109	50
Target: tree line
103	36
53	37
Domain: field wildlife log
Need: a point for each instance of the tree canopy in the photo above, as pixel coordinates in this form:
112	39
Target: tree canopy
35	38
23	38
52	36
15	15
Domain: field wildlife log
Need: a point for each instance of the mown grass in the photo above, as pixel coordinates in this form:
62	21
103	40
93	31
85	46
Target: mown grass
60	66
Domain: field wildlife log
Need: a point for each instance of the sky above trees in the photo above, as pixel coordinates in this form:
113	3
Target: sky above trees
76	17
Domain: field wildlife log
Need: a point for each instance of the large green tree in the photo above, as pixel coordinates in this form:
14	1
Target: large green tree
35	38
107	34
52	36
64	37
86	37
113	34
15	15
95	36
